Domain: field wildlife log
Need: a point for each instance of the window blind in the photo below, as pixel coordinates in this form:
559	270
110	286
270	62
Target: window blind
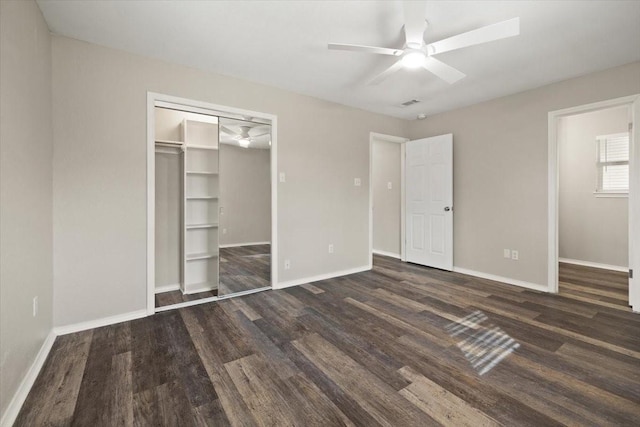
613	163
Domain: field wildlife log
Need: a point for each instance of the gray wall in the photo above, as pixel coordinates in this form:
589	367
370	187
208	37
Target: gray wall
25	190
500	170
99	104
245	195
594	229
385	163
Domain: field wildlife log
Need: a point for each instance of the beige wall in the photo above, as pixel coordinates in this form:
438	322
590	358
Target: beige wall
594	229
99	104
168	255
245	195
500	170
385	164
25	191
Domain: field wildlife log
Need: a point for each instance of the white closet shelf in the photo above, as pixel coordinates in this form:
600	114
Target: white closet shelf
168	141
202	198
206	255
194	288
201	147
196	226
201	173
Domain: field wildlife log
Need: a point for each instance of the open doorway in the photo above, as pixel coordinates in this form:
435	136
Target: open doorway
593	222
386	196
594	208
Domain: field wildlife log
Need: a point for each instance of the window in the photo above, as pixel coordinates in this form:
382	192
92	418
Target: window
613	163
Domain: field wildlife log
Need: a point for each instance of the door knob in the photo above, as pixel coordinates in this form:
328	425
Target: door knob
447	209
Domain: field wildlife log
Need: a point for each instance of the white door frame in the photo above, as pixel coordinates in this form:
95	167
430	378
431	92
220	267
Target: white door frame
398	140
553	171
212	109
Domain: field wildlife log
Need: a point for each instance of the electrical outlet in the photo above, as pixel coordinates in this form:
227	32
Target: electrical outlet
224	231
357	182
507	253
282	177
35	306
331	248
514	255
287	264
389	185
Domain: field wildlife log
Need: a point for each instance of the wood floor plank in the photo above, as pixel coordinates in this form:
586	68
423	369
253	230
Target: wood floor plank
312	289
261	390
213	359
449	369
440	404
248	311
400	345
63	370
376	397
121	400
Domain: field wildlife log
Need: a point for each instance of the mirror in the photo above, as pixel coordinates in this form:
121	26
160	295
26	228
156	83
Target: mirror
245	205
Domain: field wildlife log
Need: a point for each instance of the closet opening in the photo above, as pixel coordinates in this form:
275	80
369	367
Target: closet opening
211	210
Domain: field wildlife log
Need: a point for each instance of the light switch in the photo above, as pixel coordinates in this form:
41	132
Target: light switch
389	186
282	177
357	182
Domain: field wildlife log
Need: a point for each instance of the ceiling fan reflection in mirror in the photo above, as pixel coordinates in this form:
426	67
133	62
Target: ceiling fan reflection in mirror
418	54
244	138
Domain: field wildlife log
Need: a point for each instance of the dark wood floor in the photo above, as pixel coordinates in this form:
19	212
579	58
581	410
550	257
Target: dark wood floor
586	284
376	348
242	268
175	297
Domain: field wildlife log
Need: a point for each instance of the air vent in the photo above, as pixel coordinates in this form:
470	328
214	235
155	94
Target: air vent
408	103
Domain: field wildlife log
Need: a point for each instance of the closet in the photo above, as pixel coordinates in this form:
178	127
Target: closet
187	202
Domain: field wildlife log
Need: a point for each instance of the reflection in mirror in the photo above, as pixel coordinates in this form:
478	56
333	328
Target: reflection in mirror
245	206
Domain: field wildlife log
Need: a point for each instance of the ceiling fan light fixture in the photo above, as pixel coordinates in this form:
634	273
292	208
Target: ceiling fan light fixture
244	142
413	59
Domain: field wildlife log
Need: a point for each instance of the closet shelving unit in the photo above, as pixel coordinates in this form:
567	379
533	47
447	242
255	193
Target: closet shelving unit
200	272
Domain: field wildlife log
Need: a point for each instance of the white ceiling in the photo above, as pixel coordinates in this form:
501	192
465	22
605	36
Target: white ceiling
284	44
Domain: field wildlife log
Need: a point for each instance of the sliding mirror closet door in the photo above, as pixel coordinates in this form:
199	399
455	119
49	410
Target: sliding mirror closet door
245	206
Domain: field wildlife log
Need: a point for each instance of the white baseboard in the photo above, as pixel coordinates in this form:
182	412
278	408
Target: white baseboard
319	277
385	253
594	264
507	280
97	323
235	245
10	415
167	288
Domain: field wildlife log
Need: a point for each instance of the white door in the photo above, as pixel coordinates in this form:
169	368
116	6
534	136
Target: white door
429	201
634	208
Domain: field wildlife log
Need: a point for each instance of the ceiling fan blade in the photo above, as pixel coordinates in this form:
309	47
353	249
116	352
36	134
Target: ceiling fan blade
366	49
414	21
228	131
261	135
498	31
442	70
386	73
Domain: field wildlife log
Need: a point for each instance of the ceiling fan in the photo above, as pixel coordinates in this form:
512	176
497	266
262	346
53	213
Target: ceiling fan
243	137
416	53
